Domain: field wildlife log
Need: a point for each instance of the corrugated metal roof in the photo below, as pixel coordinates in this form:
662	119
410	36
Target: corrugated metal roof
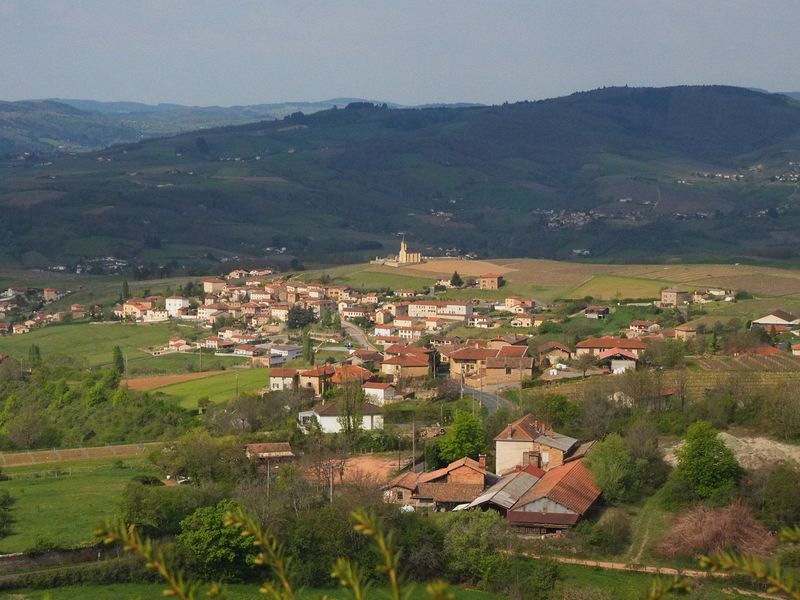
507	491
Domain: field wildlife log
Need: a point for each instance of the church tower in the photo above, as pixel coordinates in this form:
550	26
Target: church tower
402	257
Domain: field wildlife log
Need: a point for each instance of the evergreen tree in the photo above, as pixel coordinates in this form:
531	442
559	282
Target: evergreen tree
126	291
308	349
34	356
118	361
455	280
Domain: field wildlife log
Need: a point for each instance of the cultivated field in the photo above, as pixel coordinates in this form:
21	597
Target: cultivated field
217	388
550	279
145	384
62	504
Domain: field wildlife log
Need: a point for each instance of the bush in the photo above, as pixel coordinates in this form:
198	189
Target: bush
704	530
612	532
520	578
472	543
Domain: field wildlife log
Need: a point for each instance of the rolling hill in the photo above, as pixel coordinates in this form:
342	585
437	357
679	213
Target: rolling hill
626	174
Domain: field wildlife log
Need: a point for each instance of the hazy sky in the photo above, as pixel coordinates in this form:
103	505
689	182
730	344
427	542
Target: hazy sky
409	51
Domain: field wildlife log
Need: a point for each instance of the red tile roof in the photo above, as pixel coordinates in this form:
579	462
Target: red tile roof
282	372
270	450
321	371
570	485
609	342
407	360
376	385
346	373
616	352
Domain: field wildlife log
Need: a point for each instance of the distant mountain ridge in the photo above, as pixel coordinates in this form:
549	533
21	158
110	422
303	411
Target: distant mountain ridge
62	124
628	174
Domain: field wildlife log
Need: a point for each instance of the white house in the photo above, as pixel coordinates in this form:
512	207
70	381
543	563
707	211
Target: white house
378	393
155	316
281	379
174	304
328	417
778	318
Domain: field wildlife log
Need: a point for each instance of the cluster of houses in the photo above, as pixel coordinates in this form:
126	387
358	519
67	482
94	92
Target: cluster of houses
540	483
23	309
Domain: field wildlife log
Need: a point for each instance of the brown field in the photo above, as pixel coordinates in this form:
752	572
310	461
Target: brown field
380	467
29	198
144	384
472	268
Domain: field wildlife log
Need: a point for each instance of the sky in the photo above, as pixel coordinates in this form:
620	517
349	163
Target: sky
228	52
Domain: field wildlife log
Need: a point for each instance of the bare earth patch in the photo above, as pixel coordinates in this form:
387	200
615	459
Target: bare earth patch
379	467
29	198
144	384
751	452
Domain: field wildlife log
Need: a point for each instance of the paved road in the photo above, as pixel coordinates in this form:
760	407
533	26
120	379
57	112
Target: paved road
488	398
358	335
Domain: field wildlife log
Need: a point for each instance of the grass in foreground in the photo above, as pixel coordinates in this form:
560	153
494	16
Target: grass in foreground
218	388
64	510
153	591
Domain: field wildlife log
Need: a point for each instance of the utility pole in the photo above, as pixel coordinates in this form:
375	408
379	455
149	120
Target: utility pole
330	469
520	381
237	385
413	443
201	357
269	476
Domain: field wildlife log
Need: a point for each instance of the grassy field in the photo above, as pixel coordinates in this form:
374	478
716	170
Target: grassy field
597	583
92	345
154	591
217	388
65	509
615	286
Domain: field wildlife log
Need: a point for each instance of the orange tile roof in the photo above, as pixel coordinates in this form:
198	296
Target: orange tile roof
570	485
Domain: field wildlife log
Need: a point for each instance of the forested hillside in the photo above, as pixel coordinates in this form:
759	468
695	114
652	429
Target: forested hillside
625	174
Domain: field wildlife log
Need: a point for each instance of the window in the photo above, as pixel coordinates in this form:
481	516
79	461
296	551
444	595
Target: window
399	494
545	458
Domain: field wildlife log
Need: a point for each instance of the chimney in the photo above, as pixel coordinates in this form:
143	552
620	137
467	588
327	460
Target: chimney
482	461
510	432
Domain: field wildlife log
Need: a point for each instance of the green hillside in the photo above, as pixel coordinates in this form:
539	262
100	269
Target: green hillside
624	174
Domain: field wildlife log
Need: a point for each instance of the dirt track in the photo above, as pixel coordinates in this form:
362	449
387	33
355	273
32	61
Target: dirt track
376	466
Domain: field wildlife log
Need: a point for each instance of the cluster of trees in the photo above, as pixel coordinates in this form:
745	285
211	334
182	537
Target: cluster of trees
58	405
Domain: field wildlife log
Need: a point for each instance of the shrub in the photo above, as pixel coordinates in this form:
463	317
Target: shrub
612	532
703	530
118	570
520	578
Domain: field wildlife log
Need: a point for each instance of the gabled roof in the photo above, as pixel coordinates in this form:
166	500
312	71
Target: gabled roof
376	385
550	346
512	351
408	360
526	429
321	371
346	373
470	353
609	342
282	372
461	462
570	485
449	492
270	450
509	362
407	480
616	352
402	349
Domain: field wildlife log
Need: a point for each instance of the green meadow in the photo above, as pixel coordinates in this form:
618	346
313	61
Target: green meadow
61	504
217	388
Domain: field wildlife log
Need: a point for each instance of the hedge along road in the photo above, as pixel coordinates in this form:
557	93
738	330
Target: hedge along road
41	457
